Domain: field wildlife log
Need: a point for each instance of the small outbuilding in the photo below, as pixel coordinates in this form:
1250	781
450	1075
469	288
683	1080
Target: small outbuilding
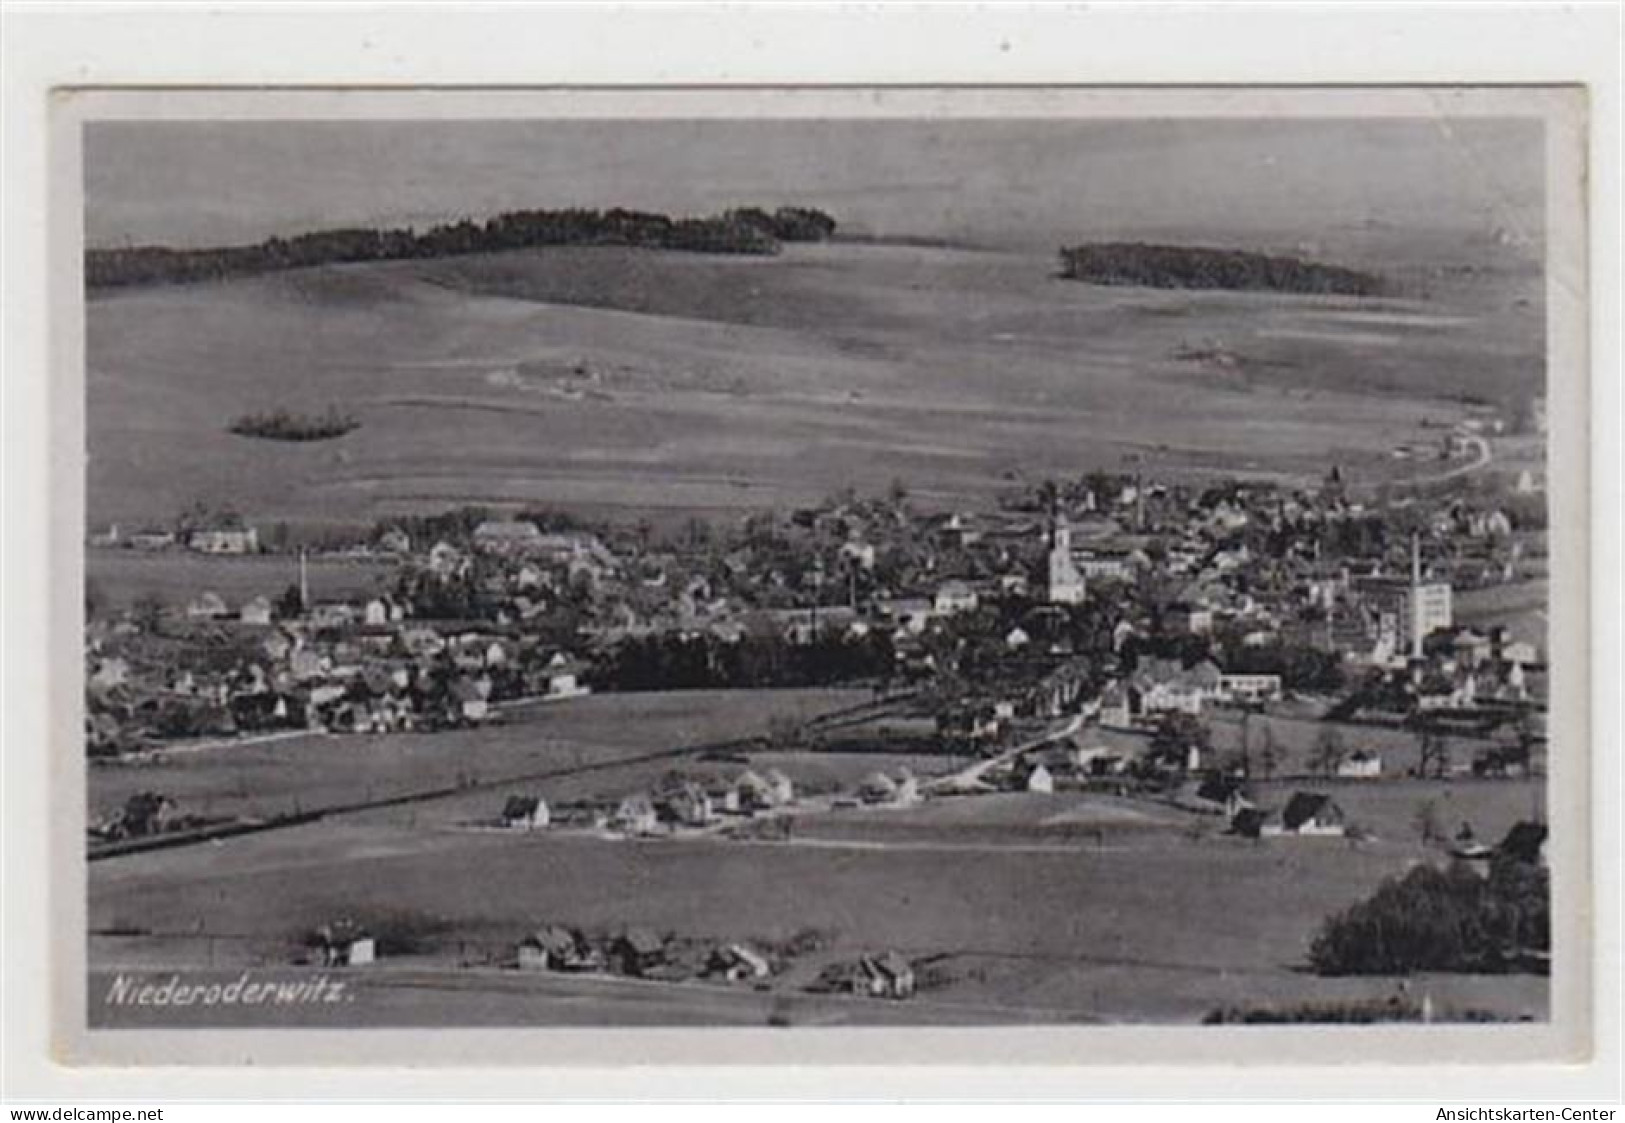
343	944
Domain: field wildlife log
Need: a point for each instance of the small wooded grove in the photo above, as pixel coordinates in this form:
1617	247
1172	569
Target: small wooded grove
746	230
1452	919
285	425
1194	267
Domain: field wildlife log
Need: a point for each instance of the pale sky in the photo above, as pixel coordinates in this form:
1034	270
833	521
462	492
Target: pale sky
1011	182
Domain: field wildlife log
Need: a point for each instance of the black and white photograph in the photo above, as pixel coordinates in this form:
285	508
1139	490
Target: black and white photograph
773	568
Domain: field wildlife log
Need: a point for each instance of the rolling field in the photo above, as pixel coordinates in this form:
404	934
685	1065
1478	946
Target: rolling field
314	771
1154	926
1027	908
610	380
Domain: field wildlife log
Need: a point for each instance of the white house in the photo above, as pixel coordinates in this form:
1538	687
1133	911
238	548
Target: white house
1041	780
954	596
1361	765
526	812
1249	688
225	540
563	678
1309	813
255	611
206	606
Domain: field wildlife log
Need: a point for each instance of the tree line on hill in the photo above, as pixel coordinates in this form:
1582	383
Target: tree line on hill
746	230
1195	267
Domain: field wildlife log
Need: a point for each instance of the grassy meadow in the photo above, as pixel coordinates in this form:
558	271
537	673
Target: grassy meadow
308	772
614	380
1154	924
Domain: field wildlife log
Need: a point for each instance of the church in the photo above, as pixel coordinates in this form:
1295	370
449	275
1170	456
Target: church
1065	584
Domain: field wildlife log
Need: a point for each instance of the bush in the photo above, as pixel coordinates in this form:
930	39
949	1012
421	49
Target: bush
1441	920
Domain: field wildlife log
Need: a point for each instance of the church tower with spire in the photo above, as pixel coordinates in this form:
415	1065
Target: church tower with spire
1064	584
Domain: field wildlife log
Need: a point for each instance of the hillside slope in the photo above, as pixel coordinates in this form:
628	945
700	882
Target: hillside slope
630	380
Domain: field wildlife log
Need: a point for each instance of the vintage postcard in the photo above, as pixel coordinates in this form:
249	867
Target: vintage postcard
997	565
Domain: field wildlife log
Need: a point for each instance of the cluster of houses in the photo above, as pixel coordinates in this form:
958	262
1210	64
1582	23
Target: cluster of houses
642	953
676	803
143	815
1126	599
884	975
371	665
234	539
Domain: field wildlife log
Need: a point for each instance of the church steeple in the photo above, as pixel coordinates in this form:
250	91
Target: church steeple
1065	584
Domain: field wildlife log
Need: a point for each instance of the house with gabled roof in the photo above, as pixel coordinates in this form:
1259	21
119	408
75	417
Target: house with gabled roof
1310	813
525	812
552	947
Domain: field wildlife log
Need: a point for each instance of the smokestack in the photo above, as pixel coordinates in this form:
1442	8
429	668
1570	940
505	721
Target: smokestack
304	582
1414	600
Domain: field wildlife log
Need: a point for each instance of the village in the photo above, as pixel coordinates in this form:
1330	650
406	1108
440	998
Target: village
1212	655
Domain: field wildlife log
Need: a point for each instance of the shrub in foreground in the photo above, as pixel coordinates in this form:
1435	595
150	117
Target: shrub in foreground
1441	920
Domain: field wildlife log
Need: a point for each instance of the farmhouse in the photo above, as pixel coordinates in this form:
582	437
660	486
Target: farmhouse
525	812
637	951
564	677
255	611
550	948
1360	765
225	540
1037	778
684	804
889	975
143	814
1310	813
472	698
750	792
207	606
635	815
736	962
343	944
781	789
878	787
